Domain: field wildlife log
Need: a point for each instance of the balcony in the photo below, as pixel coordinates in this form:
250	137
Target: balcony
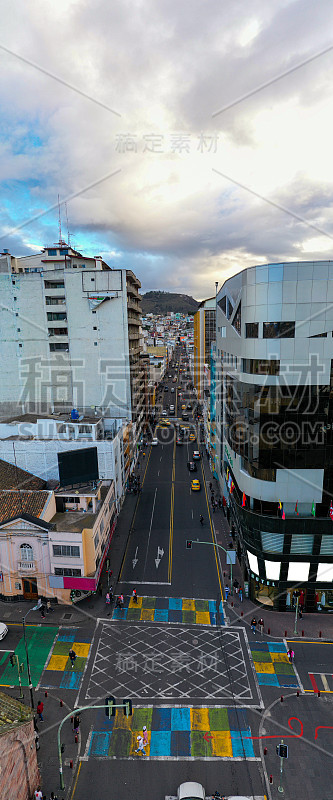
27	567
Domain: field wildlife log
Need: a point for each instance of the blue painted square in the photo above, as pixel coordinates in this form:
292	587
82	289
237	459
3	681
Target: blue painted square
160	743
180	743
161	615
120	613
212	618
161	719
175	603
241	745
265	679
261	646
175	616
212	606
69	636
237	719
99	745
103	723
276	647
162	602
180	719
71	680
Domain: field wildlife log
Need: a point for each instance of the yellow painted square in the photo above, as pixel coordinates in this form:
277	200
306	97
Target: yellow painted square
138	603
202	617
280	657
57	663
262	666
199	719
221	743
147	614
82	649
134	744
188	605
121	721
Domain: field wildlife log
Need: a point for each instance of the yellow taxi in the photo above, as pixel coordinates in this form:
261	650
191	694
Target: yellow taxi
192	437
183	407
195	485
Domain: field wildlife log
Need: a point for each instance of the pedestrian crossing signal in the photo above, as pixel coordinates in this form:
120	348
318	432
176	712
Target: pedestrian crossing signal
282	750
189	544
110	707
127	708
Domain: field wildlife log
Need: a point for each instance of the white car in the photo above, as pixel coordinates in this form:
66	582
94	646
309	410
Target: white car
190	791
154	441
3	630
164	413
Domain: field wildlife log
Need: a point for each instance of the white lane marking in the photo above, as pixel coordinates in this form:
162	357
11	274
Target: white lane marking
192	512
135	559
150	527
160	554
158	474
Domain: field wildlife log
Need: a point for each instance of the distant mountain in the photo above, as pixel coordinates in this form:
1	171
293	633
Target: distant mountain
163	302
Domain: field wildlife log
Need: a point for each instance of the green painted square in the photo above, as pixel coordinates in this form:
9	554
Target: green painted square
199	747
61	648
259	655
133	614
39	643
148	602
218	719
141	717
188	616
280	668
79	665
120	744
201	605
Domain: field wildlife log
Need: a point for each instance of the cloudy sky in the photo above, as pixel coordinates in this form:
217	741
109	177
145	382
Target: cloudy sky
190	139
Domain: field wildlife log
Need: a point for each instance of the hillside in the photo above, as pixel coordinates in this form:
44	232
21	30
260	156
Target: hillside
163	302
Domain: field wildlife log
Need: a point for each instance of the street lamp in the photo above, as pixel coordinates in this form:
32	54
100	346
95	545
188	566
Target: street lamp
35	608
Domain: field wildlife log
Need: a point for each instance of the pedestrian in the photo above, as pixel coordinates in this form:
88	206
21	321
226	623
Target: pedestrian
42	611
53	796
240	594
228	514
107	599
253	624
37	740
76	723
145	735
210	486
141	747
290	654
38	795
40	709
300	611
49	607
135	596
261	625
72	656
236	586
220	502
226	592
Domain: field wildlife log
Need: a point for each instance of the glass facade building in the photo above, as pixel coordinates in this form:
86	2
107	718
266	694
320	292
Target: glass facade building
274	353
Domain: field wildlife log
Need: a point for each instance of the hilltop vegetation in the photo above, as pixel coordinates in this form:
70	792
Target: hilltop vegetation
163	302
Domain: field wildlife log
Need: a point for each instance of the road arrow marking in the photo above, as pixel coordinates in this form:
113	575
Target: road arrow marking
208	736
160	554
135	559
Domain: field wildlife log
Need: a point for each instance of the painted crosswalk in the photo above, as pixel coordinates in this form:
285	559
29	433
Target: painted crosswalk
321	681
39	641
59	672
169	609
173	733
272	665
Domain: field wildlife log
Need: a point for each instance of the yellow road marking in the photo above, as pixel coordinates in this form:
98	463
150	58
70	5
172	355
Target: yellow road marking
304	641
322	691
76	779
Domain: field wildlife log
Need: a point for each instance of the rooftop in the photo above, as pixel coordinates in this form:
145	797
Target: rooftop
12	713
12	477
14	503
61	417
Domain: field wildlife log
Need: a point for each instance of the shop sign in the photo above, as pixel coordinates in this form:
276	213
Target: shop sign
231	461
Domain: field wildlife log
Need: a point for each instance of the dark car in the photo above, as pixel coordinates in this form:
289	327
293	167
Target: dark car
192	466
189	407
179	440
166	388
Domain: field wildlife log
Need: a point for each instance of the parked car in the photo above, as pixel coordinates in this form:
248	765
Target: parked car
3	630
191	790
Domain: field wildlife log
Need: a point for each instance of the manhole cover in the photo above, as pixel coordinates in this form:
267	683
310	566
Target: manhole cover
67	616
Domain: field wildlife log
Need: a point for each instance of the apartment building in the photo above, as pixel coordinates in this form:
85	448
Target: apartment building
274	414
70	336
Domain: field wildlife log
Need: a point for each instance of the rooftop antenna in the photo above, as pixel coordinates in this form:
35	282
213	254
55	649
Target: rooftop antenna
68	233
59	219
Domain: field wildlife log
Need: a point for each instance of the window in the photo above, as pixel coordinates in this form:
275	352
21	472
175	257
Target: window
326	547
257	366
52	252
101	527
272	542
253	562
58	346
223	304
237	320
251	330
96	540
54	301
95	328
273	570
95	344
54	316
72	551
18	330
58	331
26	552
298	571
279	330
301	545
15	298
325	573
20	345
54	284
63	251
67	572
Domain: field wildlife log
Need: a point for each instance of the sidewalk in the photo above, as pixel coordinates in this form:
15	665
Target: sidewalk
277	623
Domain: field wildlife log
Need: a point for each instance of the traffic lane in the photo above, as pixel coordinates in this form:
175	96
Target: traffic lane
194	572
153	511
141	778
313	662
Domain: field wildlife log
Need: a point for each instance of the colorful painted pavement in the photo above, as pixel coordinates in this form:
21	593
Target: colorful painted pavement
169	609
174	733
272	664
39	641
59	672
